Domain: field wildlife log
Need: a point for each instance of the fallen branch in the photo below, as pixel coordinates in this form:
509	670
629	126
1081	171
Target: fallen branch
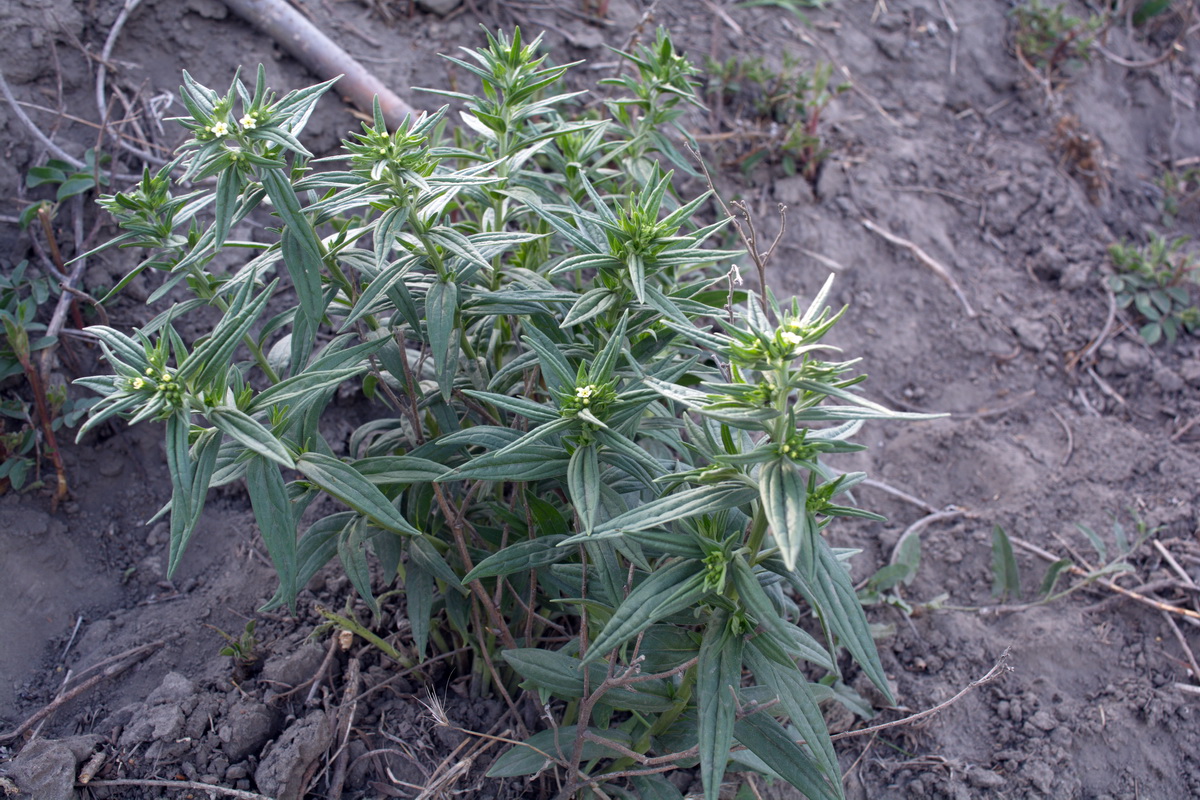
120	663
1107	584
180	785
925	259
1001	667
322	55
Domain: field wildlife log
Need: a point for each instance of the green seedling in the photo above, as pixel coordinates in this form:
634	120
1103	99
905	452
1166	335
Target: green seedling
590	464
783	107
1052	40
1110	560
1156	281
243	649
1179	188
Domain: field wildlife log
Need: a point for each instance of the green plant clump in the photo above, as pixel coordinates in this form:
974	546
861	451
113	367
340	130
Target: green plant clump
1156	281
1050	38
591	455
784	106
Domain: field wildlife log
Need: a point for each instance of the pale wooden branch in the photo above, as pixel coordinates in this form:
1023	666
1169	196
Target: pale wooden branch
322	55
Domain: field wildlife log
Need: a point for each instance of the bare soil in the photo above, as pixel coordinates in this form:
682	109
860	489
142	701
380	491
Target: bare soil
946	141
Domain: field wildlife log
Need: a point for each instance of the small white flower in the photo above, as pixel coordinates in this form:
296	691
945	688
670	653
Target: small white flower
248	122
585	392
218	129
791	338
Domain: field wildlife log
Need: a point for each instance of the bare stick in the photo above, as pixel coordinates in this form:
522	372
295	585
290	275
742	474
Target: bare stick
1187	650
923	523
180	785
900	493
1086	354
54	149
1107	584
925	259
1170	559
321	54
1001	667
1070	438
123	662
345	721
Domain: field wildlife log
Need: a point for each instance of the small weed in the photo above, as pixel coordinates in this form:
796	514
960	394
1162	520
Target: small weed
1180	188
25	336
1111	561
1156	280
243	649
1050	39
782	109
22	445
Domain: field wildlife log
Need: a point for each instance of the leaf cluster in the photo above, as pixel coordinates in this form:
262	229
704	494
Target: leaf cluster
590	452
1051	38
781	107
1156	280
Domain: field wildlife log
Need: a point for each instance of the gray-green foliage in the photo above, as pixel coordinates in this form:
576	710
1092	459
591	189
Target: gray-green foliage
1156	281
575	408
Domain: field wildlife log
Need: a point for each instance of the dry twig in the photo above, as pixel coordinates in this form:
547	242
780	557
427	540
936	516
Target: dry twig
238	794
1001	667
1108	584
925	259
116	666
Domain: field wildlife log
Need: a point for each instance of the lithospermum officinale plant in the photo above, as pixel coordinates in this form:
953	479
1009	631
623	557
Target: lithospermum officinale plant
591	455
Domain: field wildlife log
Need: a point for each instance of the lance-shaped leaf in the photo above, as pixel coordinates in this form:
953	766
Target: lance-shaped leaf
590	304
422	553
831	594
273	511
352	552
519	557
346	484
788	637
250	433
317	546
555	367
418	594
387	470
718	676
441	308
208	362
302	389
583	483
673	507
801	706
536	412
784	491
562	675
767	739
182	471
189	480
301	248
668	590
555	746
530	463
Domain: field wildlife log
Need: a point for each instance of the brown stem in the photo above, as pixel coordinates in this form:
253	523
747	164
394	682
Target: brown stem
46	422
455	521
